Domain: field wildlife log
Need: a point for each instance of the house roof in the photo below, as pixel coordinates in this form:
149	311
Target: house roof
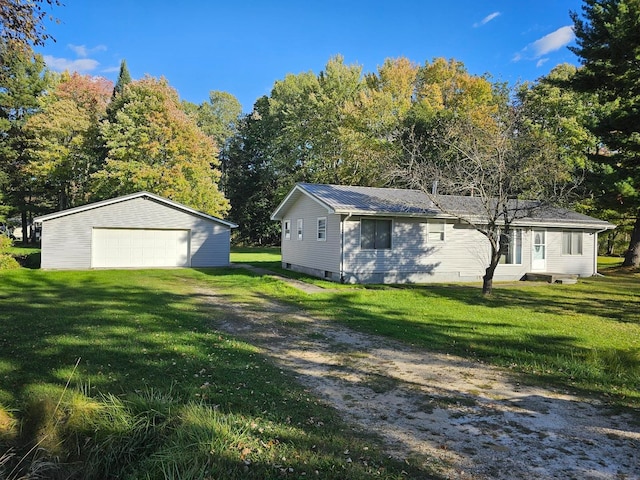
124	198
369	201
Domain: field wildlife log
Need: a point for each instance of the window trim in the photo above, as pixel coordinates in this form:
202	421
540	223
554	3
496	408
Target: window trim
571	234
323	237
286	229
376	220
442	233
300	229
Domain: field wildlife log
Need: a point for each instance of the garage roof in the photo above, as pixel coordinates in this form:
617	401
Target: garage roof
131	196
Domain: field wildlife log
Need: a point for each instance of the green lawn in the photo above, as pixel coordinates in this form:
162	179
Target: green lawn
584	336
153	388
154	391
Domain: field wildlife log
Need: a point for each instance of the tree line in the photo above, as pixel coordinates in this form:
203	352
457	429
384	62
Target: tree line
572	136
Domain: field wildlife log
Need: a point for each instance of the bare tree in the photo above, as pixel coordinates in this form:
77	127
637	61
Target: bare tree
492	171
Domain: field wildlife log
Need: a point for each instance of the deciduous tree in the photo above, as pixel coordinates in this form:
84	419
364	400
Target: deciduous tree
251	179
64	140
472	142
22	21
153	145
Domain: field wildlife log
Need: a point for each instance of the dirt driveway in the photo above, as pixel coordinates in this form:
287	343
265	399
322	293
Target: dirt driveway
468	420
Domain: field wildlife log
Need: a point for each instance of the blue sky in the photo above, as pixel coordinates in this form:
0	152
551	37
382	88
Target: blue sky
243	47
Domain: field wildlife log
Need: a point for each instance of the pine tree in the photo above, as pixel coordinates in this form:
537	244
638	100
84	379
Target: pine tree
124	79
608	39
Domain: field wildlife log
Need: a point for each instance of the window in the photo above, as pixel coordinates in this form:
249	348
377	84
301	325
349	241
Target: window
300	229
286	227
435	232
511	246
572	243
322	229
375	234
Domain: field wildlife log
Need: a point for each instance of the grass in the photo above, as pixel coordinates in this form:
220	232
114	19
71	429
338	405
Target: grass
583	337
608	262
156	393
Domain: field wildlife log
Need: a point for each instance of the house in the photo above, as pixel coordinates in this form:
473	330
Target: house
140	230
384	235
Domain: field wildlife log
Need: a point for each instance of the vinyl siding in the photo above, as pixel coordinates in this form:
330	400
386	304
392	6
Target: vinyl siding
582	265
309	254
462	255
66	240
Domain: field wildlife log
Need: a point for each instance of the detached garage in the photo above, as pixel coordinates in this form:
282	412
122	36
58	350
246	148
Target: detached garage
140	230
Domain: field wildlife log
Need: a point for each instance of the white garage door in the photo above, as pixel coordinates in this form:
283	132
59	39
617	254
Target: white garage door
127	248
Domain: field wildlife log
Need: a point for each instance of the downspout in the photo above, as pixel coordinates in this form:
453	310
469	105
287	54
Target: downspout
342	239
595	253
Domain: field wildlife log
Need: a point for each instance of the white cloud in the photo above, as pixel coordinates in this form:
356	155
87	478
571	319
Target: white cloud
486	19
554	41
547	44
83	51
541	62
114	69
81	65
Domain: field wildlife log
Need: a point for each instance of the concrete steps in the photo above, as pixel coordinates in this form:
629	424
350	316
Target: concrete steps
564	278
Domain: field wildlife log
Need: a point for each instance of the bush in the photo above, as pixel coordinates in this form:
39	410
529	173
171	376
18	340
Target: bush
7	262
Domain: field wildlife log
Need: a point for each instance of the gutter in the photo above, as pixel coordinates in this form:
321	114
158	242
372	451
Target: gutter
342	238
595	252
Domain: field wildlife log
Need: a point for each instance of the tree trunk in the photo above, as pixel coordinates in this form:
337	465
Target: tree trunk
487	279
24	225
632	257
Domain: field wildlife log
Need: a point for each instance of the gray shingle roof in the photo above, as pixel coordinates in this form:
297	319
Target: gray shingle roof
343	199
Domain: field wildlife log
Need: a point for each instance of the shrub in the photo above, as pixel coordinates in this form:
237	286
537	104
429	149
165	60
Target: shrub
7	262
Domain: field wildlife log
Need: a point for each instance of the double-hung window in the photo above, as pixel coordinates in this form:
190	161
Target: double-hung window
300	228
322	229
435	231
572	243
375	234
511	248
286	227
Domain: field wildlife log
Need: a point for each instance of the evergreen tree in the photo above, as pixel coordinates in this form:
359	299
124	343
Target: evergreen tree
608	38
22	82
124	79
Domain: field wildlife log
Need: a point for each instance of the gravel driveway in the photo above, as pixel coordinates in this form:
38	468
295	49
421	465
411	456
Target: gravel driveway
468	420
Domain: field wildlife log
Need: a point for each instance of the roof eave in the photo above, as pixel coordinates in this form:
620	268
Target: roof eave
131	196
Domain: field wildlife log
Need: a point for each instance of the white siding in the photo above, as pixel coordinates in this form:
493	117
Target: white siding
309	254
462	256
582	265
66	240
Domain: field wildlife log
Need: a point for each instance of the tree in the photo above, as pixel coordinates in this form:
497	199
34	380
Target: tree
22	21
307	111
153	145
251	180
124	79
22	81
218	117
473	142
608	44
64	139
371	122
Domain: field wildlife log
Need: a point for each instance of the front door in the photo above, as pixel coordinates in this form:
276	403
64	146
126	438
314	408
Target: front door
539	254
